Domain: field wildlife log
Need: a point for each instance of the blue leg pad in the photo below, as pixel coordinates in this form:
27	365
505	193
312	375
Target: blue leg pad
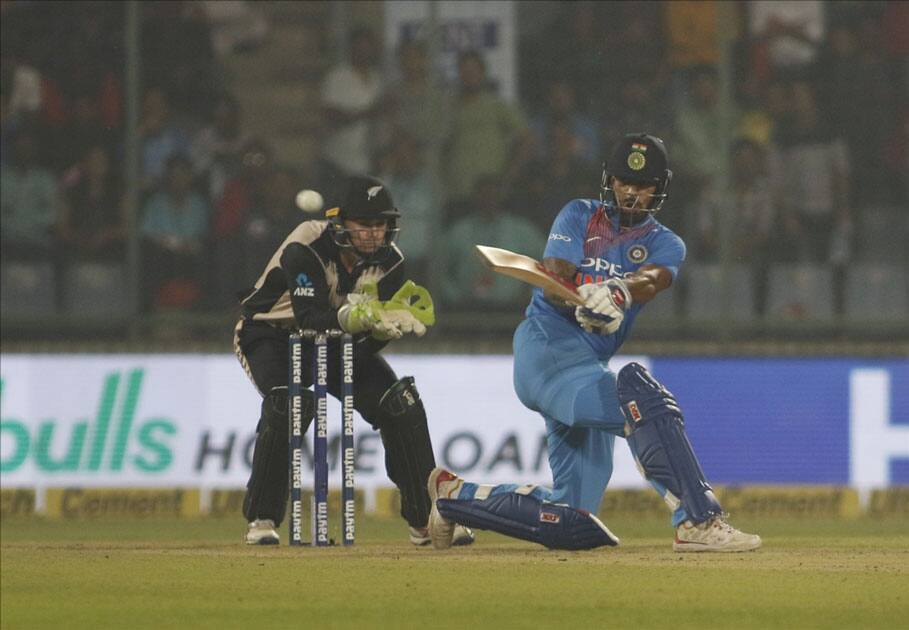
553	525
656	433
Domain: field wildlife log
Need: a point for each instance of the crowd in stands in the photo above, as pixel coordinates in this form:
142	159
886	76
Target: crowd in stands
202	179
778	165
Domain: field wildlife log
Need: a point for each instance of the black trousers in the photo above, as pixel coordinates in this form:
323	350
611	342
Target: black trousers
263	353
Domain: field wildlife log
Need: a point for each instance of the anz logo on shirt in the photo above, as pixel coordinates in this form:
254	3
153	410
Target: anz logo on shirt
597	270
304	286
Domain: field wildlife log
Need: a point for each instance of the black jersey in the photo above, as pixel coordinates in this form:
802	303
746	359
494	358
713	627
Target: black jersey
305	280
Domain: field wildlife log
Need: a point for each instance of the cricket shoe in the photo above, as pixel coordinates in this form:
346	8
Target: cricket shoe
262	532
713	535
462	536
442	484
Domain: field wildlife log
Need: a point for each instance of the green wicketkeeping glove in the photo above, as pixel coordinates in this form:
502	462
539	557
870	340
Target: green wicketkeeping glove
410	310
361	312
415	299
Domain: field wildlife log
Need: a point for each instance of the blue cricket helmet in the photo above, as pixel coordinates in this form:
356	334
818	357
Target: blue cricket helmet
638	158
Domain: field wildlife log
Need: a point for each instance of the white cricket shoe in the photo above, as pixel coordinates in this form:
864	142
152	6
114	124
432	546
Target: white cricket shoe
262	532
445	485
713	535
419	536
462	536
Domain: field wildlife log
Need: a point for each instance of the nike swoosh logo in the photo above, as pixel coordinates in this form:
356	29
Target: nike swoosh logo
593	238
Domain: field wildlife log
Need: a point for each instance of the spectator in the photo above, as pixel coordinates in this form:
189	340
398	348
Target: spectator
414	102
468	284
351	102
178	56
639	104
21	85
838	77
810	169
753	218
703	132
83	93
898	153
489	137
762	108
161	137
269	223
755	213
636	42
90	112
562	108
638	95
93	223
692	33
562	173
29	202
244	193
877	97
754	240
404	171
785	35
895	24
174	229
20	89
236	25
571	49
217	148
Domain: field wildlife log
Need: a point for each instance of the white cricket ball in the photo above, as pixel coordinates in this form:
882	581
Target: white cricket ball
309	201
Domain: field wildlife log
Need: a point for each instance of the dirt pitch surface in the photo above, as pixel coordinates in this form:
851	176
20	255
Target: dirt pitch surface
154	574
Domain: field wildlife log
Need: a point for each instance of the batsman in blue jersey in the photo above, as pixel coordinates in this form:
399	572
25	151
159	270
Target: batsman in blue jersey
620	257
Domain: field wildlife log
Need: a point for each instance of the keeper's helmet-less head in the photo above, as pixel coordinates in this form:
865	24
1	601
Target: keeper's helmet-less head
641	159
367	200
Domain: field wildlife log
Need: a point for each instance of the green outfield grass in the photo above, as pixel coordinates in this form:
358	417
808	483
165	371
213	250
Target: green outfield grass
154	574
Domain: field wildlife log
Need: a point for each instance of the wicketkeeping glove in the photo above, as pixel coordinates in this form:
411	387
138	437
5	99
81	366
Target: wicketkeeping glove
410	310
416	300
361	311
604	306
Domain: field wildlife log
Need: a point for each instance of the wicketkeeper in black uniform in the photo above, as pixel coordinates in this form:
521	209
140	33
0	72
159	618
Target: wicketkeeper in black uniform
344	272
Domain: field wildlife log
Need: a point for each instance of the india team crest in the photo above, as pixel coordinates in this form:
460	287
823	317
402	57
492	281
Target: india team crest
636	160
638	254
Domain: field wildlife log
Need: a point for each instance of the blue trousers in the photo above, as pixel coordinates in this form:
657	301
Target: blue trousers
557	373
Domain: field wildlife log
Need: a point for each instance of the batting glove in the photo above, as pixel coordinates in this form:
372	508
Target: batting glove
604	306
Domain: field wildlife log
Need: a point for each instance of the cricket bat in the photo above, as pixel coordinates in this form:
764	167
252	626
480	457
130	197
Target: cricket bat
528	270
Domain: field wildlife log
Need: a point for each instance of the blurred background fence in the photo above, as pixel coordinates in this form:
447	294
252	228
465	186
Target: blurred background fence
152	151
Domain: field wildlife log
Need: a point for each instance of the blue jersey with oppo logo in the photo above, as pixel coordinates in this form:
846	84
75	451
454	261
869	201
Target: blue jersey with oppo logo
585	235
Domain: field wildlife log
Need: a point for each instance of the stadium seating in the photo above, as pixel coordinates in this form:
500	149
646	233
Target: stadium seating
800	292
95	289
27	289
877	293
662	308
881	235
705	302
